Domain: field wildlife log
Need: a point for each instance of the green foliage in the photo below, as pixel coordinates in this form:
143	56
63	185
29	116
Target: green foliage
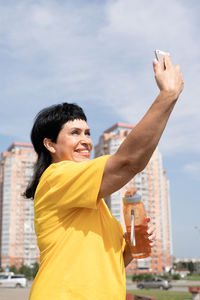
148	276
13	269
29	272
26	270
138	277
35	269
191	267
162	295
176	277
194	277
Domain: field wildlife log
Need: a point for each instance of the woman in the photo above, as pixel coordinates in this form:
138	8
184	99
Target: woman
82	247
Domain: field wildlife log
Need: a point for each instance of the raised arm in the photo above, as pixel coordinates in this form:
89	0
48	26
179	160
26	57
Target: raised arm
136	150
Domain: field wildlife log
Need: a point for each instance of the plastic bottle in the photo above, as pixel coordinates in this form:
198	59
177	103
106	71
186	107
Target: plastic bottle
136	225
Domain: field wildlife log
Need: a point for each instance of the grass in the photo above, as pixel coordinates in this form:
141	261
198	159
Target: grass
193	277
129	276
163	295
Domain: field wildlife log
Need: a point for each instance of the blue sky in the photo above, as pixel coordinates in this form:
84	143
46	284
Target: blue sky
99	54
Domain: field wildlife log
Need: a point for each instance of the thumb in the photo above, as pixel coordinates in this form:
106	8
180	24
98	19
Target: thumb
156	66
147	219
126	237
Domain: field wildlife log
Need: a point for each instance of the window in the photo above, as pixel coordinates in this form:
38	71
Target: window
3	277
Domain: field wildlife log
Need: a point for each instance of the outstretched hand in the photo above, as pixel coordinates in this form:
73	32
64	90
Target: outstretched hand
168	77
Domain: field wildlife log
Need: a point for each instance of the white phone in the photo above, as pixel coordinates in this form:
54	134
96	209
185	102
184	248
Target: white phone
159	55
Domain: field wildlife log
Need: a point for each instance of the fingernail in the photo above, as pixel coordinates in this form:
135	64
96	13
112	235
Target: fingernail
148	231
155	61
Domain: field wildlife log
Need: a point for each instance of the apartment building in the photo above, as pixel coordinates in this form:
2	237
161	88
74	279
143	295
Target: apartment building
153	185
17	236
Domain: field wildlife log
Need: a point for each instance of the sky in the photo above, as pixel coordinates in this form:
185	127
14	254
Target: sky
99	55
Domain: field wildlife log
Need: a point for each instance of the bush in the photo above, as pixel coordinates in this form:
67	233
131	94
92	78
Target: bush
28	271
148	276
176	277
138	277
13	269
166	276
35	269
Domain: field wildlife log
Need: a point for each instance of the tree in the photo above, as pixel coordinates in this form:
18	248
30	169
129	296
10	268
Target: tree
191	267
26	270
35	269
13	269
176	277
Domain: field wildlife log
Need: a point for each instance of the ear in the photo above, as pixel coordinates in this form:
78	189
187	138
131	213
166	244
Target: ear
49	145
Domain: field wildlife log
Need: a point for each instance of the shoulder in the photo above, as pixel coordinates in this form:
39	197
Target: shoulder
66	167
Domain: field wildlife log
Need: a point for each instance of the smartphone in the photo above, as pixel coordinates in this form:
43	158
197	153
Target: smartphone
159	55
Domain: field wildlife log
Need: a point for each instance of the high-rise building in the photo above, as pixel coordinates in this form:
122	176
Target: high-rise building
153	186
17	235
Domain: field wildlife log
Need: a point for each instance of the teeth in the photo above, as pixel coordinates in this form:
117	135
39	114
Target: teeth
83	151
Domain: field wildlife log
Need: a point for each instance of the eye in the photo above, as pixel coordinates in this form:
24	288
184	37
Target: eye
75	131
87	133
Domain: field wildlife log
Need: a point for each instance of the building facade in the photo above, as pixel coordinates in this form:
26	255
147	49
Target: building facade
17	235
153	185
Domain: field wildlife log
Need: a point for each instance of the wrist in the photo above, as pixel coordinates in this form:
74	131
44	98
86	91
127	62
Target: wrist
169	95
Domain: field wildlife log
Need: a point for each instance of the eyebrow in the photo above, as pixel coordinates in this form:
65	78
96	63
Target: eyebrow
78	128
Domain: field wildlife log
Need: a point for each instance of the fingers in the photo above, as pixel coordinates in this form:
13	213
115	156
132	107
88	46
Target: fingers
148	219
167	61
169	79
151	235
166	64
150	230
126	237
156	66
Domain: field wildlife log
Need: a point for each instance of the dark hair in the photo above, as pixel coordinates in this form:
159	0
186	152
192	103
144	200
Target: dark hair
48	124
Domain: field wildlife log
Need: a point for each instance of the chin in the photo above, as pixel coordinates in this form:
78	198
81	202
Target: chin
85	159
81	159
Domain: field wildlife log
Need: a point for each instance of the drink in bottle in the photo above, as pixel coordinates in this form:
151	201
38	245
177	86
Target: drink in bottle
136	225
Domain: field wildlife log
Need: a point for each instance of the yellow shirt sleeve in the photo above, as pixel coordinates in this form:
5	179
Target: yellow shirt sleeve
71	184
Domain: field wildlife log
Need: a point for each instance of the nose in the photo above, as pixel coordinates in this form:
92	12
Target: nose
86	140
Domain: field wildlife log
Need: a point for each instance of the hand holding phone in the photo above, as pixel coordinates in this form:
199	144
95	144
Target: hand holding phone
159	55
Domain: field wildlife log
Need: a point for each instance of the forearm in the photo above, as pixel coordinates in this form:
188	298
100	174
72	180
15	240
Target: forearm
139	145
136	150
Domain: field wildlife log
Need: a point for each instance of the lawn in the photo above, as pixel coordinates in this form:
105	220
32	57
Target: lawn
163	295
193	277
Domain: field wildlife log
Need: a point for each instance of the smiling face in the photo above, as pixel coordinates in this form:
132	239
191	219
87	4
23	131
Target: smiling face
73	142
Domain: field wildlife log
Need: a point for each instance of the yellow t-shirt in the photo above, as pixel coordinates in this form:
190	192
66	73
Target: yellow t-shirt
81	244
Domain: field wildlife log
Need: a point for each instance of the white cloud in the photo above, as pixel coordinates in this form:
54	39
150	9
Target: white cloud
53	50
137	28
193	169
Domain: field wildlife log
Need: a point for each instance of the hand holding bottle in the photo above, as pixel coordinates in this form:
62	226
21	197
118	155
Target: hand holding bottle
138	235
